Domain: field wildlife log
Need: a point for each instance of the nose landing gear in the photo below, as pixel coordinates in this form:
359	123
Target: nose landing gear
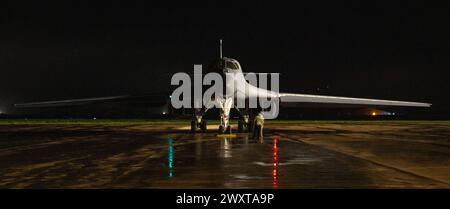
223	130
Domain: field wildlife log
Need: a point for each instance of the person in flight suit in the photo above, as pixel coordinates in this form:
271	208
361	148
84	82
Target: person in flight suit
258	126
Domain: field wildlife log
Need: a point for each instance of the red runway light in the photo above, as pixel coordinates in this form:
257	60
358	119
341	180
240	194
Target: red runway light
275	162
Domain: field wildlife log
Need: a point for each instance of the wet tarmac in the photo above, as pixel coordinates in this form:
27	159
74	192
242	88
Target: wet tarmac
293	155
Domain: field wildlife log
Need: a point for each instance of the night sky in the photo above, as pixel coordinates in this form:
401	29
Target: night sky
381	50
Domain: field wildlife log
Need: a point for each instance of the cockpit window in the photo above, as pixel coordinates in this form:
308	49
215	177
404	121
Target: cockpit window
232	65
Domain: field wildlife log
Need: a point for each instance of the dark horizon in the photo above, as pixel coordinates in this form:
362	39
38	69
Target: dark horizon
78	50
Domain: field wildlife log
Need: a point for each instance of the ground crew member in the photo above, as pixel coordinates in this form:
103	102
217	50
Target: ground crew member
258	124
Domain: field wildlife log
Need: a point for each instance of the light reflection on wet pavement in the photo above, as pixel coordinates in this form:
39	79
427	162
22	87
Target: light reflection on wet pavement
151	159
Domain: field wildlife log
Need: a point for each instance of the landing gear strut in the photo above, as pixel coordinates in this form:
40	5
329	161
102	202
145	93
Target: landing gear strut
225	106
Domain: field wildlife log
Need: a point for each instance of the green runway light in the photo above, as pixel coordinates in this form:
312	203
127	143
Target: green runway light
170	156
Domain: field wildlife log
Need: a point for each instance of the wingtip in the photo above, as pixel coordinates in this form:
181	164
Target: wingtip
425	105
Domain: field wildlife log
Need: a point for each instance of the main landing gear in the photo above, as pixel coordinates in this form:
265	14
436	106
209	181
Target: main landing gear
244	124
198	123
197	126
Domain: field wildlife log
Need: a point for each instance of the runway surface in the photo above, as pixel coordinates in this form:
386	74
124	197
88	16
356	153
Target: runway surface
293	155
